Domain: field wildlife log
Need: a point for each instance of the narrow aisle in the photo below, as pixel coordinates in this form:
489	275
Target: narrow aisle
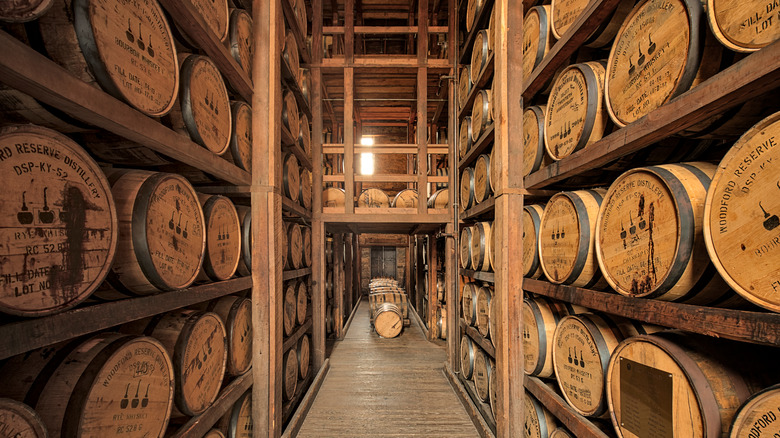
386	388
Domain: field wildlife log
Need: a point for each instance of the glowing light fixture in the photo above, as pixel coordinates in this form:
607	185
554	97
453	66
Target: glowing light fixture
367	158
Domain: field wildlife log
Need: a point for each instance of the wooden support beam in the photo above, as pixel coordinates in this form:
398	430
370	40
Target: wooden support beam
318	298
338	286
383	30
349	274
433	302
422	103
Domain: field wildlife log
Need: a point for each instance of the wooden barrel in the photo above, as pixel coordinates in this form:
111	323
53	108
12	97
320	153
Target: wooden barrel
741	211
481	116
23	11
333	197
464	85
540	317
493	308
467	354
484	298
58	226
495	170
291	56
491	249
648	240
236	314
291	177
162	233
388	320
19	420
441	321
223	238
696	384
299	8
285	238
135	372
373	198
304	134
537	38
564	13
290	309
534	153
582	345
532	219
196	341
19	107
493	392
481	375
329	323
301	301
204	104
240	38
439	199
482	183
127	49
539	422
472	12
290	115
237	422
465	139
480	246
560	432
743	26
658	54
575	116
467	196
241	135
306	89
469	303
465	247
290	374
479	55
306	239
406	198
302	350
758	415
305	188
567	239
214	433
245	262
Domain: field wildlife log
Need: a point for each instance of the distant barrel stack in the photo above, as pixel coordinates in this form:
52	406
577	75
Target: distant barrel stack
387	307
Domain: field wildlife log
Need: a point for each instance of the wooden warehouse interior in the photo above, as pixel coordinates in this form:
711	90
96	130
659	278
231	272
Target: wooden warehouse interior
565	210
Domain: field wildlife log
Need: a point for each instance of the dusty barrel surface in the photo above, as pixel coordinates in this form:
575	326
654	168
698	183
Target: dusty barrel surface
539	422
482	183
472	12
540	318
241	135
373	198
216	15
388	320
236	314
196	342
694	384
240	33
205	104
648	236
126	48
658	54
306	248
467	354
291	177
17	420
565	12
741	223
483	368
58	225
567	238
492	390
575	114
162	233
534	153
491	251
333	197
306	85
406	198
223	237
537	38
108	382
465	247
582	345
532	223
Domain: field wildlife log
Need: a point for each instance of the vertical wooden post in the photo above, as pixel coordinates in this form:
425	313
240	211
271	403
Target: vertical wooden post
420	280
318	298
508	217
422	105
266	220
433	261
453	275
338	279
349	114
349	275
357	263
408	270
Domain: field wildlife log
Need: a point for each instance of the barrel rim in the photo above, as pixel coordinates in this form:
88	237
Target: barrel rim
237	14
89	47
35	14
25	411
536	220
539	411
481	256
543	11
298	348
290	356
236	108
471	355
482	57
541	334
235	411
486	120
479	197
471	201
187	68
246	239
208	207
239	304
594	101
583	231
467	263
743	408
541	150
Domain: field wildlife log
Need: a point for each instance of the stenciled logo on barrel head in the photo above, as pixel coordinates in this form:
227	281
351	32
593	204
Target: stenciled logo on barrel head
531	423
532	32
746	25
204	362
210	118
241	39
531	353
567	110
215	14
242	135
57	227
530	243
224	238
578	365
559	238
531	139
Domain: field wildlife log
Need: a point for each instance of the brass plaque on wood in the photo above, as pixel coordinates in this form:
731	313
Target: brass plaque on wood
645	400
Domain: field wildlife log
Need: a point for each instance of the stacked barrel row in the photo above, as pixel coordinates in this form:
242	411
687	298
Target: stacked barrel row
135	378
477	307
377	198
387	306
608	367
689	232
477	246
594	96
296	312
330	286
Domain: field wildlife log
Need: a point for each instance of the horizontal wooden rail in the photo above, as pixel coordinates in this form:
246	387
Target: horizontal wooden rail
576	423
477	337
393	61
384	30
489	277
198	425
483	208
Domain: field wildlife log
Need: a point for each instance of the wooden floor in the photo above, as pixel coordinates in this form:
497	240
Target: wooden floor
386	388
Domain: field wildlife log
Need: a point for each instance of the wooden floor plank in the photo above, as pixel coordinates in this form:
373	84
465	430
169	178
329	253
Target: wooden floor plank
386	388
